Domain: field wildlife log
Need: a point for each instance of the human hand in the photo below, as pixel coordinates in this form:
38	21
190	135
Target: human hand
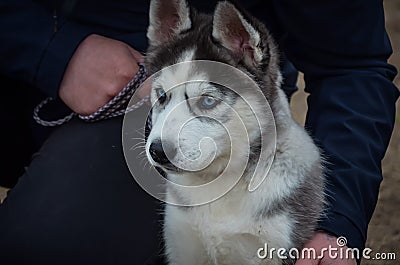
319	242
99	69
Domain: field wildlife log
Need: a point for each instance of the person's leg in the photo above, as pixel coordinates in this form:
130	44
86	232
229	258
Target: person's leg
20	135
17	142
77	203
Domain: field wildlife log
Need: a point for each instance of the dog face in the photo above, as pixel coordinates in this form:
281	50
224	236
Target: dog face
197	123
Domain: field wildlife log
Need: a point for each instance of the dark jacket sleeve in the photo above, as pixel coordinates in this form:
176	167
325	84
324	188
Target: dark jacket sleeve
31	51
342	48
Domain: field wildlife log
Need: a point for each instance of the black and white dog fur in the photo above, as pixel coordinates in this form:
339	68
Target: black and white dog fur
284	210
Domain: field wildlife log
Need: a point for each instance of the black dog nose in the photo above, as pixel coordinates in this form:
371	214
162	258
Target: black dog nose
162	152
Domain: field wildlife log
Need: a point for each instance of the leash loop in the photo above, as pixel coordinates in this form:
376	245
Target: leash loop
115	107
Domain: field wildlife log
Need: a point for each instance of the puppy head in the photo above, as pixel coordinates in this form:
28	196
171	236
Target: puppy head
189	108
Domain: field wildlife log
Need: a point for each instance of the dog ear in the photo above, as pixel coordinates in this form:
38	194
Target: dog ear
168	18
235	33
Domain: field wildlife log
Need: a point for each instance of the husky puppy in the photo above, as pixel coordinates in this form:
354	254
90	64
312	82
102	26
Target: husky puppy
284	209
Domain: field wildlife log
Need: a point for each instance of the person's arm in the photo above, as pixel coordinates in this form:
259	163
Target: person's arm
342	48
31	51
63	57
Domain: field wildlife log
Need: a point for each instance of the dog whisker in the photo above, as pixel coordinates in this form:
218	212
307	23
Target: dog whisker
141	133
137	146
138	138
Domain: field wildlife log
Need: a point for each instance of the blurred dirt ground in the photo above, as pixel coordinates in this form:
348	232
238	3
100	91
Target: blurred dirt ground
384	229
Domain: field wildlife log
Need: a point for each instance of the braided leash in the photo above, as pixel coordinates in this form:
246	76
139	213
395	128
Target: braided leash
115	107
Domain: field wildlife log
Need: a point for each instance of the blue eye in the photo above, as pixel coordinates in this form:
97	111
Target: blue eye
161	95
207	102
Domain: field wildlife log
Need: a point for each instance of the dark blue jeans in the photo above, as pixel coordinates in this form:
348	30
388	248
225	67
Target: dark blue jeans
77	203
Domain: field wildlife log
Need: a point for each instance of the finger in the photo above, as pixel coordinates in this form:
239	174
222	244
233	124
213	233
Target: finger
135	69
137	55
